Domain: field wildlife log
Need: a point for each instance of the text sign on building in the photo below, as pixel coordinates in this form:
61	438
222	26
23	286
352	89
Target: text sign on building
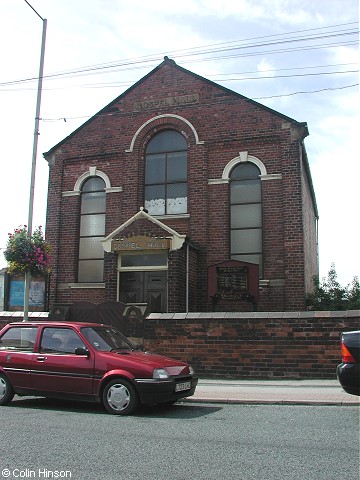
140	242
167	102
232	282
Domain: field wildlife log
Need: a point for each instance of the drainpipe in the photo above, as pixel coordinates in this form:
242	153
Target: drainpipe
187	277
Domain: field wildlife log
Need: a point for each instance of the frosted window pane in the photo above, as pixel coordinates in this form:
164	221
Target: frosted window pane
255	258
244	170
246	241
155	169
177	198
155	199
91	225
167	141
93	184
245	191
93	202
244	216
156	259
91	270
177	167
91	248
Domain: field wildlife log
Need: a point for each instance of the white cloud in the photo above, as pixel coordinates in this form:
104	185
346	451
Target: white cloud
266	67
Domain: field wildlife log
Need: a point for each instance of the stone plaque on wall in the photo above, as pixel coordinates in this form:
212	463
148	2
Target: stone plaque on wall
232	282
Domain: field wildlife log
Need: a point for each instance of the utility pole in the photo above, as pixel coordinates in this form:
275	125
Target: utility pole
34	154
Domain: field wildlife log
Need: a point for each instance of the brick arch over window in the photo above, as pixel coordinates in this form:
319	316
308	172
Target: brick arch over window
166	121
92	172
242	158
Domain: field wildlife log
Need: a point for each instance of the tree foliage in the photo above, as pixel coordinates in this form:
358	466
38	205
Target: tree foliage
330	295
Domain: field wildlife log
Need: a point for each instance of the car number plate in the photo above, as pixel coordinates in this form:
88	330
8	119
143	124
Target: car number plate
180	387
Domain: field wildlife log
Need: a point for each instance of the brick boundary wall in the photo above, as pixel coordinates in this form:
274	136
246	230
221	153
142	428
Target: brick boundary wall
292	345
240	345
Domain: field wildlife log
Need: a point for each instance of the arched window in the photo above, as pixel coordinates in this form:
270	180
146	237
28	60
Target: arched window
92	230
246	215
166	174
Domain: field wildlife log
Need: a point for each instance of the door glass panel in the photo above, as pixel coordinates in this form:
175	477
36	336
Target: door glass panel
61	340
19	339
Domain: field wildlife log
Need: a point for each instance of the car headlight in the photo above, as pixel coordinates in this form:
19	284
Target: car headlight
160	374
191	370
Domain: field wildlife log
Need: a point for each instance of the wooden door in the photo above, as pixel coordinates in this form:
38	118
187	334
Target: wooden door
145	287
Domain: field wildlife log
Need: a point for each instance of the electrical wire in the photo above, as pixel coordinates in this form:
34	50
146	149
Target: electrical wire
112	114
206	50
258	77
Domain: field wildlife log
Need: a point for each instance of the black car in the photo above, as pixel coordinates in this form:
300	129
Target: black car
348	372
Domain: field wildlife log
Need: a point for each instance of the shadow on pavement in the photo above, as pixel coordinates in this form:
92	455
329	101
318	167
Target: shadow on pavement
178	410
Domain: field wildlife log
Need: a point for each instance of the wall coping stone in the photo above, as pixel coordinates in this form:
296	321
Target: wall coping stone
254	315
12	314
218	315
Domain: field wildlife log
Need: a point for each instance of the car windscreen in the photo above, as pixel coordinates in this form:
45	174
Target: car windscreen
106	339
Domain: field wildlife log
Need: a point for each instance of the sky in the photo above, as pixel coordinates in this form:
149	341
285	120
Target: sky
298	58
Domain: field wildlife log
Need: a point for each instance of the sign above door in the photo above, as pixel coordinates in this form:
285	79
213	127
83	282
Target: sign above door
140	242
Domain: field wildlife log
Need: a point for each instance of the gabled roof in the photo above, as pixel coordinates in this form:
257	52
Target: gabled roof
177	240
168	61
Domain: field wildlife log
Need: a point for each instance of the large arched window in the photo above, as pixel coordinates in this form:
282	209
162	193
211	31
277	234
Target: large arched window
246	215
166	174
92	230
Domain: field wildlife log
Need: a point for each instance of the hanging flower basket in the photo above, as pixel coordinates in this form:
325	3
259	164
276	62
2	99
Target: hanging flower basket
27	253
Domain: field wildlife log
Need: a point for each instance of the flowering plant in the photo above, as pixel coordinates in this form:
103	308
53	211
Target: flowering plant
27	253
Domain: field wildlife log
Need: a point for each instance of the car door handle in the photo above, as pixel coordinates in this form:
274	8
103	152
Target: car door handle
41	359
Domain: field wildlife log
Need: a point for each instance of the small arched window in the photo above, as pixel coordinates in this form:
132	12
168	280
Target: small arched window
166	174
92	230
246	214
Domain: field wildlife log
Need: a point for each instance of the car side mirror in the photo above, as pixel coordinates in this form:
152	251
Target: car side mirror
82	351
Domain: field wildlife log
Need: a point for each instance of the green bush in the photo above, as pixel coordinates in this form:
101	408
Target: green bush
330	295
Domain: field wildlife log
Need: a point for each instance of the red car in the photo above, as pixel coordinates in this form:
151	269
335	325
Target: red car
87	361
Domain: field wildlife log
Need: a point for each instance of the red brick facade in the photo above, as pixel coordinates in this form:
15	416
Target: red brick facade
221	128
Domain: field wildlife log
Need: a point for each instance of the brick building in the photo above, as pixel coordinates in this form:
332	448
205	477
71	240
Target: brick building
185	196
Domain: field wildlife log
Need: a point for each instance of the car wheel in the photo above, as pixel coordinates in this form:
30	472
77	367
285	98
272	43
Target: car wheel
120	397
6	391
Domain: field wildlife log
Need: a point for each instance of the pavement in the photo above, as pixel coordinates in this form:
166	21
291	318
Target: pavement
284	392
